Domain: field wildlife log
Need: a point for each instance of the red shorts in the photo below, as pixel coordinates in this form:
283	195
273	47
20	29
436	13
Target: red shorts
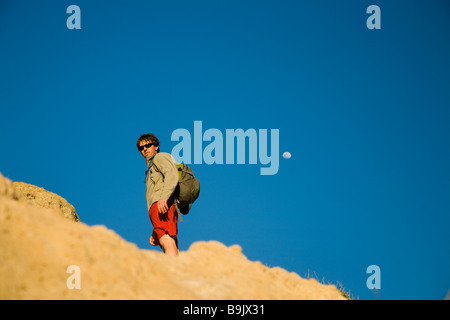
164	223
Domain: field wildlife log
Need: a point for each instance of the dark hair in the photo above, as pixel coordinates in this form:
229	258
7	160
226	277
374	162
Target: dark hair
150	137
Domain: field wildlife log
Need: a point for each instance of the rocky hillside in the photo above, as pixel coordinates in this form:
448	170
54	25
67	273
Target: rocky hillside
47	253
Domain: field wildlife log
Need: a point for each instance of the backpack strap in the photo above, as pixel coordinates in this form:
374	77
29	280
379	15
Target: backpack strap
178	210
148	168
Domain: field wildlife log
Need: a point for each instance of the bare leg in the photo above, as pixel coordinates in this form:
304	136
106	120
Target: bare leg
168	245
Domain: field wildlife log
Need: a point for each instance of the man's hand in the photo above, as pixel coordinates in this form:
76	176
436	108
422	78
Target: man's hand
162	206
154	239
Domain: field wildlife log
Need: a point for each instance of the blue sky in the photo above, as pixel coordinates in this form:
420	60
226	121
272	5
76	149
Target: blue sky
364	113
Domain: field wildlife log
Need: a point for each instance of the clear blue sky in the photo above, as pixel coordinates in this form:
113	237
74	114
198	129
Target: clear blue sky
364	113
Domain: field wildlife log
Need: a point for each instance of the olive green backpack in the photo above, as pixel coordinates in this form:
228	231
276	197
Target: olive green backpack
188	188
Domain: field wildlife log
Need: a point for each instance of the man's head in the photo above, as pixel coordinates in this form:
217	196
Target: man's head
148	145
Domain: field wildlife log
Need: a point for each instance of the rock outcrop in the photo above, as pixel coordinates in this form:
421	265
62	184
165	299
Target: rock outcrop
45	199
38	246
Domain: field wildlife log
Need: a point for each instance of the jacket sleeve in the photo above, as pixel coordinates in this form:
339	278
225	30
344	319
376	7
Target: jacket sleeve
166	164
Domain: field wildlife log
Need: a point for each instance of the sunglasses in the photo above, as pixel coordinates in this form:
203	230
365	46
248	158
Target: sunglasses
148	145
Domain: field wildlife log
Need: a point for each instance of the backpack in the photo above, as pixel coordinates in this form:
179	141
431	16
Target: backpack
187	189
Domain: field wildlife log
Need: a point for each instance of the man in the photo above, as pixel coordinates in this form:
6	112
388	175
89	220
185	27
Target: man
161	180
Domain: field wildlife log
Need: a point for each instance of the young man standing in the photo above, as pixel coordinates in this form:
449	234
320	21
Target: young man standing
161	180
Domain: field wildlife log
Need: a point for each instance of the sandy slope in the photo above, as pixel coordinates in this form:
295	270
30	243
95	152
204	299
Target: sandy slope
38	243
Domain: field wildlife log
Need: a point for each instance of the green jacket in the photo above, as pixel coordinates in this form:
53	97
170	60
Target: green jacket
162	178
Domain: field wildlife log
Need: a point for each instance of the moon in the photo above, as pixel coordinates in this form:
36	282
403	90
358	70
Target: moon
287	155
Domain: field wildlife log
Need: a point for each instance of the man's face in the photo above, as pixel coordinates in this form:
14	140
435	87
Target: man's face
147	151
